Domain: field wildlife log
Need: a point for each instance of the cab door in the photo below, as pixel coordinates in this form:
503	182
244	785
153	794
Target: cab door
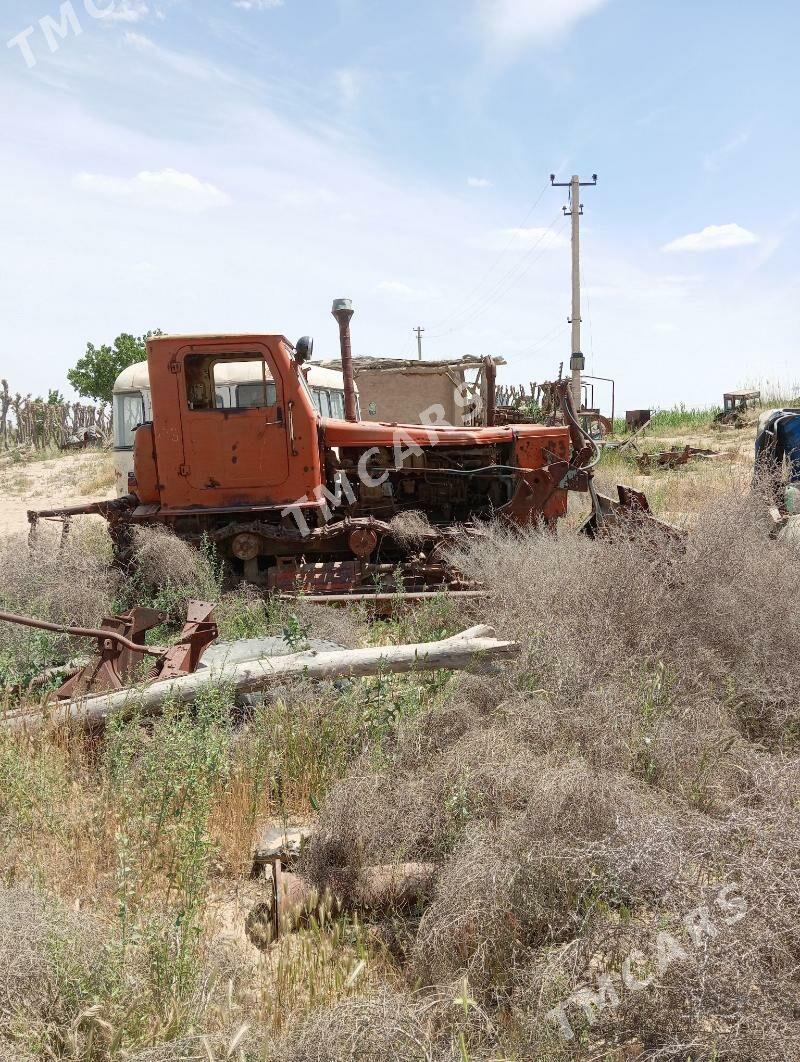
231	449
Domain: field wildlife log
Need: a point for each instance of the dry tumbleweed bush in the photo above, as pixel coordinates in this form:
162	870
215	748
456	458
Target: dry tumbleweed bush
640	756
69	582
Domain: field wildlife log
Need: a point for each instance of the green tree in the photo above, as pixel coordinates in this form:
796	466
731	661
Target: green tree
96	372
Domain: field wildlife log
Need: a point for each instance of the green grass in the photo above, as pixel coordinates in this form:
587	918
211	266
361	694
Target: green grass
678	418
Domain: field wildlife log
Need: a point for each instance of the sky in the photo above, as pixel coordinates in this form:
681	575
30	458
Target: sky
235	165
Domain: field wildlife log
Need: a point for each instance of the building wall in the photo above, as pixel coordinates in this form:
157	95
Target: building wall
401	396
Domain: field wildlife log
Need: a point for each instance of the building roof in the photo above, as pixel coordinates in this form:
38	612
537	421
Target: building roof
411	365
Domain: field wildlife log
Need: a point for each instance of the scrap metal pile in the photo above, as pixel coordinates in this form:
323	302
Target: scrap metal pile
673	458
122	655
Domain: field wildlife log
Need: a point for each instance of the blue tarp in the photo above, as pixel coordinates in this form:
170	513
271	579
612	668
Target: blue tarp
789	429
779	439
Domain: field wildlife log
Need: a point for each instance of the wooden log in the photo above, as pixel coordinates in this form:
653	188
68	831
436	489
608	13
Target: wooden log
454	653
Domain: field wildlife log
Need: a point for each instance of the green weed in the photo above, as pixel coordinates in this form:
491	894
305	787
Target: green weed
162	789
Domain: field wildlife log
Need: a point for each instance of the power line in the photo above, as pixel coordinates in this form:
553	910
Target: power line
514	274
561	327
495	261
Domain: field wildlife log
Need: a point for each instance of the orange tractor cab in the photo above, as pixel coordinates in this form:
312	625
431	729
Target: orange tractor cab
291	498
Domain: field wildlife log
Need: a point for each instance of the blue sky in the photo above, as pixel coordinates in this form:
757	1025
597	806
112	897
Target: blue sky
234	166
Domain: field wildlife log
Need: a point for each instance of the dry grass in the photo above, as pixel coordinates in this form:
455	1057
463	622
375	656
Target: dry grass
52	964
607	785
62	581
163	559
99	478
410	528
641	755
372	1029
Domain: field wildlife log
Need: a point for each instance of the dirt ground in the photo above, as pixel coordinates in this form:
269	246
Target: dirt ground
64	479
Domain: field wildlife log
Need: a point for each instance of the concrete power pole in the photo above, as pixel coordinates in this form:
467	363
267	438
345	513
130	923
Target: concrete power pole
577	362
419	332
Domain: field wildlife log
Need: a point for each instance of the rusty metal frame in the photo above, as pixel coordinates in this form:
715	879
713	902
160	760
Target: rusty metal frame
122	649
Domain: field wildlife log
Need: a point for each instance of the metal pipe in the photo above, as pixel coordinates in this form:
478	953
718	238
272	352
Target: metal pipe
80	632
577	434
490	371
100	508
342	310
607	379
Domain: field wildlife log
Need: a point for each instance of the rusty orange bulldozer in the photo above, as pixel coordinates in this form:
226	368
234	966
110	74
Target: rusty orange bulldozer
291	499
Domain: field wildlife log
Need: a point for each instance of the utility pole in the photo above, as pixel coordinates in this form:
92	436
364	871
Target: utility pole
577	362
419	332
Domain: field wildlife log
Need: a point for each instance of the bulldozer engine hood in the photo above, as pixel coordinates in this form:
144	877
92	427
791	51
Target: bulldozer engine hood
362	434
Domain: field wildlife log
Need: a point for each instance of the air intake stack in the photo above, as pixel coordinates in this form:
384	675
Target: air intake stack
343	310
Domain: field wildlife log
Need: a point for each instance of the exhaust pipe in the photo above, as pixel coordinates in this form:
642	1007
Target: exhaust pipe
343	310
490	377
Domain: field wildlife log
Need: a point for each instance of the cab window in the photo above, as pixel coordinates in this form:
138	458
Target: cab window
129	413
337	405
208	376
256	395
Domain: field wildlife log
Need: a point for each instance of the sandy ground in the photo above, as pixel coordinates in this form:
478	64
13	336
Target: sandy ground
68	479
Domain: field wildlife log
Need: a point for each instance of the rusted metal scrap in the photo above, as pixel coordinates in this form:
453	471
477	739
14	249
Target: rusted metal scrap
673	458
122	651
631	512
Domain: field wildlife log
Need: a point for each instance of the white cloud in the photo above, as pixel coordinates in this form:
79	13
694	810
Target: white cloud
185	65
512	23
166	190
308	197
403	291
631	285
127	11
525	239
257	5
713	238
479	182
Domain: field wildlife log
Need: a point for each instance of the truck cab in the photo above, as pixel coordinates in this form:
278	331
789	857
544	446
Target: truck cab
200	453
237	387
